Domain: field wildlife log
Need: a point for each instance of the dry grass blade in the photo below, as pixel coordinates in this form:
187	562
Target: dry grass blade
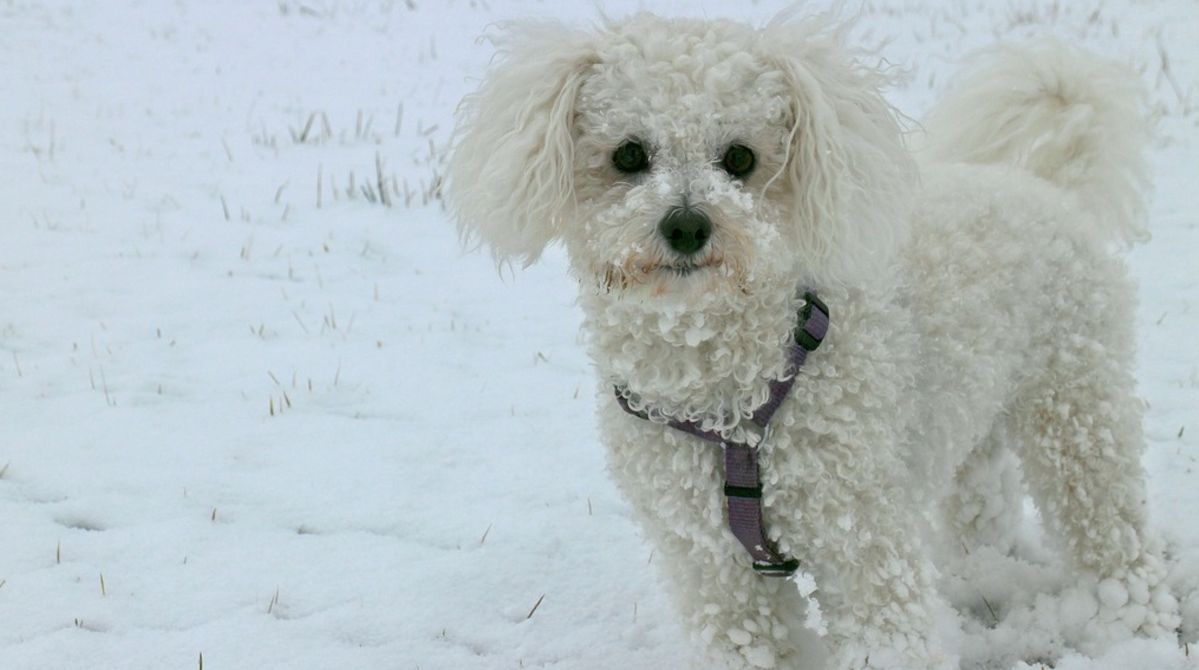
104	384
990	609
535	606
384	194
300	321
303	135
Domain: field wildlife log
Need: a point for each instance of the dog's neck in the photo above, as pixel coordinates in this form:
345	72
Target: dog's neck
706	356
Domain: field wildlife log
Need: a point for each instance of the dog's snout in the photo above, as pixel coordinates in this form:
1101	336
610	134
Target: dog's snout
686	230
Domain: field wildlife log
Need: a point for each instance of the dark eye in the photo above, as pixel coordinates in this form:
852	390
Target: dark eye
738	160
630	157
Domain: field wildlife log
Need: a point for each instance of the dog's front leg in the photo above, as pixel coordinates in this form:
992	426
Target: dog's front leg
736	613
844	517
675	484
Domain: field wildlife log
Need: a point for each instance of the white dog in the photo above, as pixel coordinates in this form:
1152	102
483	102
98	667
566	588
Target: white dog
710	180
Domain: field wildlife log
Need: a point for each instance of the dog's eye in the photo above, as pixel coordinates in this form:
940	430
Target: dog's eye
738	160
630	157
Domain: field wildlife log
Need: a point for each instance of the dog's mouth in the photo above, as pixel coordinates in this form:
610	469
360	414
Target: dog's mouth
685	268
661	273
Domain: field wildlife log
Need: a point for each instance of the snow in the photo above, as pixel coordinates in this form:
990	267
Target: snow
242	421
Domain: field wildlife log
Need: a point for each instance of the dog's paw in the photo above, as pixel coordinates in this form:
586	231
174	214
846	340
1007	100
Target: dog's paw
743	647
1148	612
1133	602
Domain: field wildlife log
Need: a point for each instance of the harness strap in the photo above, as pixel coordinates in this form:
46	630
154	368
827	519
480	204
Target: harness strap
743	486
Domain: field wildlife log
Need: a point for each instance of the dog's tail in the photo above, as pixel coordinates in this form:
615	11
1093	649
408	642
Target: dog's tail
1068	117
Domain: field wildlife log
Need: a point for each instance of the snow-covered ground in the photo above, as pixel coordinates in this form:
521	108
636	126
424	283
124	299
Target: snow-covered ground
252	416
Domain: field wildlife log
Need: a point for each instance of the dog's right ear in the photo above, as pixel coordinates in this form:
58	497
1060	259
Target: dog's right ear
509	180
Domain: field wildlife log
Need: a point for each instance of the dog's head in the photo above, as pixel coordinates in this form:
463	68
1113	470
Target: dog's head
679	156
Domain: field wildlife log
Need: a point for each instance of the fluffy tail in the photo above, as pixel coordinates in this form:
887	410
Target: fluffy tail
1066	116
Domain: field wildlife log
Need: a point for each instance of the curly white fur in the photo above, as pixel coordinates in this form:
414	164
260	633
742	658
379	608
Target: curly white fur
976	313
1075	121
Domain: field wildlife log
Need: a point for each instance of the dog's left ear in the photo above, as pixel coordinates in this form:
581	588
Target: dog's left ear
509	180
848	174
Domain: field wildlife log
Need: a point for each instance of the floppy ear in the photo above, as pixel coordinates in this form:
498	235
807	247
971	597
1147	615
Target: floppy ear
509	181
847	171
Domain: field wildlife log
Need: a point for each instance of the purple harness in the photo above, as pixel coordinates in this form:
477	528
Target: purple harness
742	486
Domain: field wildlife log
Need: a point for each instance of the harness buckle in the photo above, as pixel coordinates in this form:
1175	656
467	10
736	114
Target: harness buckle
783	569
802	337
813	300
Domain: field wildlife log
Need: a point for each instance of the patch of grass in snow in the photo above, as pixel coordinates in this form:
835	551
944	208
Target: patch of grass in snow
375	184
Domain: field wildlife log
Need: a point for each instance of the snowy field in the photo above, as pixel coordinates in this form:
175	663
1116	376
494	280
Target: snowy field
257	409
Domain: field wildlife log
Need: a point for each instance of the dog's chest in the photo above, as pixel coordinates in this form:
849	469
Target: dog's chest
713	365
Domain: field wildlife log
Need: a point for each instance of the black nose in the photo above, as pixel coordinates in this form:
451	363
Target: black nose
686	230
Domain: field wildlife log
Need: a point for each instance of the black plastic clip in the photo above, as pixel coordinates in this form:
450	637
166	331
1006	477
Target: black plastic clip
784	569
802	337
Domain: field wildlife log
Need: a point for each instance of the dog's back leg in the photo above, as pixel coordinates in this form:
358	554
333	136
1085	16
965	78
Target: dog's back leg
1080	427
